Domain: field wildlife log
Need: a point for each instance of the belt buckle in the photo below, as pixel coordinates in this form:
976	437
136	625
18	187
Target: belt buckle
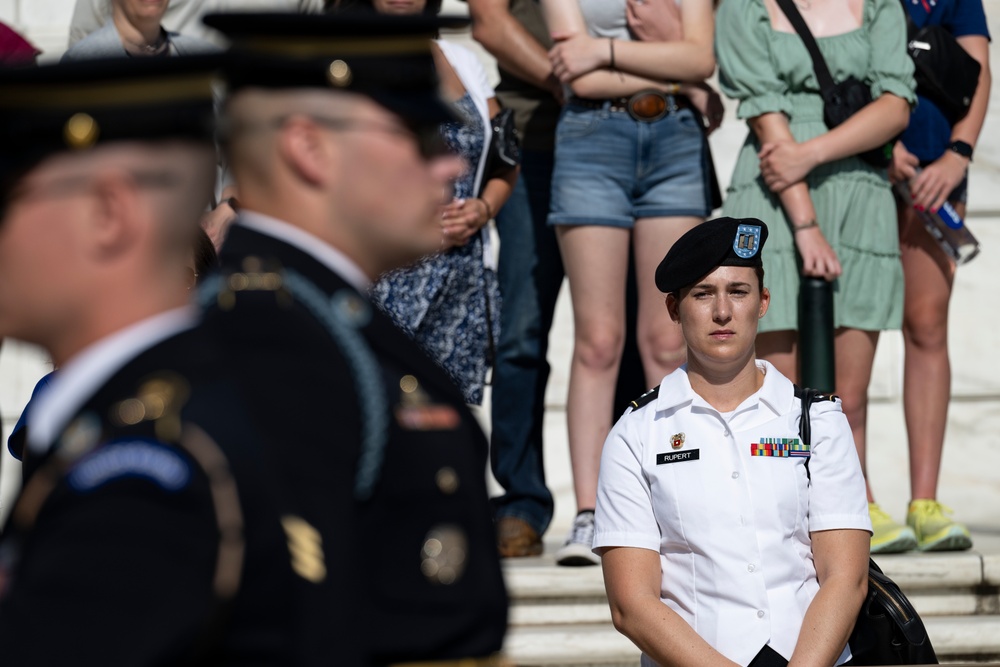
648	106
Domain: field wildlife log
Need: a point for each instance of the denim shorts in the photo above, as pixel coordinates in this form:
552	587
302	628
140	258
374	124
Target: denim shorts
611	169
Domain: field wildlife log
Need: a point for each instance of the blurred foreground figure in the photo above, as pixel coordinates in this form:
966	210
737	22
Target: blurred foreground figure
144	533
331	130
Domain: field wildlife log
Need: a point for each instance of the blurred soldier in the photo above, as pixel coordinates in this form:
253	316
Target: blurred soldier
144	533
332	136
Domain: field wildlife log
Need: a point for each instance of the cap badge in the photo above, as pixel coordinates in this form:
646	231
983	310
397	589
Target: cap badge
339	74
81	131
747	241
677	440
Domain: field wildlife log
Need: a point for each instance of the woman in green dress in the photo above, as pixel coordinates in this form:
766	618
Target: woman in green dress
831	214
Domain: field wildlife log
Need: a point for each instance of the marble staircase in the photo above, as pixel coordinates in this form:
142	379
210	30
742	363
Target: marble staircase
559	616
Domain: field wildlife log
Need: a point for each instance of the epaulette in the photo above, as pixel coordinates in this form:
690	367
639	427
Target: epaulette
646	398
816	395
256	275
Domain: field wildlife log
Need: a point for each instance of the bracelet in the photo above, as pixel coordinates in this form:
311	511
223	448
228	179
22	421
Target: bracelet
489	209
808	225
611	45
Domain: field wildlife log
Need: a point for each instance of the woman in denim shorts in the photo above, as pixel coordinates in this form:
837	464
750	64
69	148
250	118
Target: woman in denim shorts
630	175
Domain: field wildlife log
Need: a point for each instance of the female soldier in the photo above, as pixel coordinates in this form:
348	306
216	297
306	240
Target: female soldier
718	542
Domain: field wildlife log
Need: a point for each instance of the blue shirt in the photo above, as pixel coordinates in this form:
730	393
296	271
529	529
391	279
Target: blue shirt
929	132
15	443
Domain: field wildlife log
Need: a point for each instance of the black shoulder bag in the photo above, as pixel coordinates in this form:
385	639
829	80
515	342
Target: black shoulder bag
840	100
945	72
504	150
888	630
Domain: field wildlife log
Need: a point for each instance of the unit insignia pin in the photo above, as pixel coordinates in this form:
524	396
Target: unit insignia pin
747	241
677	440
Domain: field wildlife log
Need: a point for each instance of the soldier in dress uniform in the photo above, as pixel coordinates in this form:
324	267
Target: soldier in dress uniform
146	532
331	133
730	533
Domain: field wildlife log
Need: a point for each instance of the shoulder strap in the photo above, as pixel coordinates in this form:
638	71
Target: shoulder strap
823	75
911	26
807	396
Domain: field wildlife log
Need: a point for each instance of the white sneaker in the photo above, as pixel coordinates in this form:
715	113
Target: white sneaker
577	548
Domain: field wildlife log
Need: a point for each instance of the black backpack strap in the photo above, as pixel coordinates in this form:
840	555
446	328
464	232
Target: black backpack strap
807	396
826	82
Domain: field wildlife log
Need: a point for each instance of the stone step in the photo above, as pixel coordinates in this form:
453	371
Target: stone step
955	638
943	584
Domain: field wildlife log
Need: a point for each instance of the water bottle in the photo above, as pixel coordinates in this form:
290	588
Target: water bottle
945	227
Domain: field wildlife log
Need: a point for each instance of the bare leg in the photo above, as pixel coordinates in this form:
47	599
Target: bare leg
661	344
855	352
929	278
781	349
596	262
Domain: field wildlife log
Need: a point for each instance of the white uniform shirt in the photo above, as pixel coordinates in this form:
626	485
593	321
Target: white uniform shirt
732	528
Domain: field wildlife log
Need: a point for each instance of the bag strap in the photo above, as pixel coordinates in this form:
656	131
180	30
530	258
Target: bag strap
826	82
806	396
911	26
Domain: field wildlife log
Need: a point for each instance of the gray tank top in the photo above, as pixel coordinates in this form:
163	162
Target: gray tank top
606	18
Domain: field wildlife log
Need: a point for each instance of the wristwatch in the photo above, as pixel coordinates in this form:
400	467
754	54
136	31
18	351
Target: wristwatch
962	148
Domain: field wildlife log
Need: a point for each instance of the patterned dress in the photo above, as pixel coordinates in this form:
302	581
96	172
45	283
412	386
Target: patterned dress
450	302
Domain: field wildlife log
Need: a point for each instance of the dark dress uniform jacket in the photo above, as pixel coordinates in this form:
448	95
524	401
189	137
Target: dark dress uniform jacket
113	557
411	570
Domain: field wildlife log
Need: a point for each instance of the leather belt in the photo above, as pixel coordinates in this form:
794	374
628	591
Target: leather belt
646	105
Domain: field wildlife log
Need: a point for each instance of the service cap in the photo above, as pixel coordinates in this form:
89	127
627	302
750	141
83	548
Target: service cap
713	243
387	58
77	105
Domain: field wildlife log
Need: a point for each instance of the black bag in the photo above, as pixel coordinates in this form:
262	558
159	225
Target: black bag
945	72
888	630
504	152
840	100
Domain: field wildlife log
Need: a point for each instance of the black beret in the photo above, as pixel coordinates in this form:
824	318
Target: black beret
713	243
387	58
73	106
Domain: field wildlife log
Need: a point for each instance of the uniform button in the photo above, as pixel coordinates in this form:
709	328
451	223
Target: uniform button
447	480
726	433
408	384
750	567
443	555
736	475
760	613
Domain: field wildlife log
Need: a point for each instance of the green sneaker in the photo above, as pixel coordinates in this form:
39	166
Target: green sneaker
888	537
935	531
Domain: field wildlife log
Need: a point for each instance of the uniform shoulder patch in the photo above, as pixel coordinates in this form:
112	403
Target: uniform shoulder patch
131	458
646	398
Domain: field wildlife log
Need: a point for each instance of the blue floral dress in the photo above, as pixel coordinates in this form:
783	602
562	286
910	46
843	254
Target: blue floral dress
450	302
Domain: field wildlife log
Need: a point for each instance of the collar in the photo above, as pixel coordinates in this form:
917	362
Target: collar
312	245
776	393
78	380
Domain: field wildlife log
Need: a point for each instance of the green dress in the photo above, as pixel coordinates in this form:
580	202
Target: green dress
770	71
